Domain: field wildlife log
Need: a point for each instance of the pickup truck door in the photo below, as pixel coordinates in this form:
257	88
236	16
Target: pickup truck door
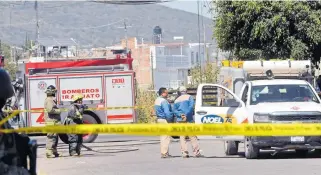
217	104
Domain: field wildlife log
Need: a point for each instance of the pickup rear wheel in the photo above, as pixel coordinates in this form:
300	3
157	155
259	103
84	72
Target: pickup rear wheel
251	151
231	147
302	152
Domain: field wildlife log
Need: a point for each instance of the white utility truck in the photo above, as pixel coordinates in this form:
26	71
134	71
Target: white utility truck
103	82
269	92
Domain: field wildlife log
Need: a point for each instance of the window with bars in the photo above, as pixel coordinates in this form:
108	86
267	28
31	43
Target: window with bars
192	58
197	57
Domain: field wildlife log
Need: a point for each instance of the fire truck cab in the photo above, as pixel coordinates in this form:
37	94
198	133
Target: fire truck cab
103	82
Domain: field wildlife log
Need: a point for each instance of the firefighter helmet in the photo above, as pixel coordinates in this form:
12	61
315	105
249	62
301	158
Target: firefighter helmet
51	90
77	97
6	89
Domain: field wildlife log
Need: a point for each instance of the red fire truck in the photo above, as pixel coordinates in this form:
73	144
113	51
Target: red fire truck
103	82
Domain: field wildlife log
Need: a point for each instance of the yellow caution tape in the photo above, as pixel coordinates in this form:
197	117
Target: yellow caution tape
88	109
13	113
181	129
91	109
9	117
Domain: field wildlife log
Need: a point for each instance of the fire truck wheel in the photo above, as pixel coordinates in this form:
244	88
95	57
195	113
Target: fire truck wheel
90	118
64	137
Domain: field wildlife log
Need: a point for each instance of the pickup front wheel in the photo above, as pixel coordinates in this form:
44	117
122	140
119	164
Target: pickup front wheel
231	147
251	151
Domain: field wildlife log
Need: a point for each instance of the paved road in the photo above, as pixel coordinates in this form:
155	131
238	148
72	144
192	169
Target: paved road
125	155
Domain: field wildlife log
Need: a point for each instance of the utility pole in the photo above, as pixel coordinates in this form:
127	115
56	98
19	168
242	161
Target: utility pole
0	48
204	36
152	70
14	54
199	39
125	28
37	22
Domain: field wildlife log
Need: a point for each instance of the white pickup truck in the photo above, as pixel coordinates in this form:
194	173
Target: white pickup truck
262	101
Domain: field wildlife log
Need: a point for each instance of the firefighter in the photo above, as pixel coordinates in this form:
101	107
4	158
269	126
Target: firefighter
52	117
9	153
164	115
75	117
184	110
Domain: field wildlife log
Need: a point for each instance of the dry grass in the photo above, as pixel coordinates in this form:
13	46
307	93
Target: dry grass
146	100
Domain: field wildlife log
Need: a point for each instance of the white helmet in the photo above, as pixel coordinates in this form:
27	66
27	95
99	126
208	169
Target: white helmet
6	89
182	89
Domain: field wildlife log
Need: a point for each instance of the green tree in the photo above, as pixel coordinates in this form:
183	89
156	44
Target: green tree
28	43
11	68
206	74
8	64
269	29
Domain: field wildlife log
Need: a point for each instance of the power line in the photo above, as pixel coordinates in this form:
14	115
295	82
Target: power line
91	27
209	6
10	3
132	2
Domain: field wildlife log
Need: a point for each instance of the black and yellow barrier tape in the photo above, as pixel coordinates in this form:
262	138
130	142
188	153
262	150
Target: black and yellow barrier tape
181	129
93	109
87	109
14	113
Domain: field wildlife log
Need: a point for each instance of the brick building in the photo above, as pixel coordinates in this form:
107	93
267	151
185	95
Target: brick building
166	65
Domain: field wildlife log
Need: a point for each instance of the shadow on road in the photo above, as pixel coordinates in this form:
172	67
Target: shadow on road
138	142
101	152
103	148
284	155
116	141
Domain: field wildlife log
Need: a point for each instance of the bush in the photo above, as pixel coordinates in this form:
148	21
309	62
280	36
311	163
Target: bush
145	99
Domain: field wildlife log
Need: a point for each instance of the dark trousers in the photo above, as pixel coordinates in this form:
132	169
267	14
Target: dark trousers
75	140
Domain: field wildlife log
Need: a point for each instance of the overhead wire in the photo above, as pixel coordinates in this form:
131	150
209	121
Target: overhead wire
209	5
17	24
133	2
92	27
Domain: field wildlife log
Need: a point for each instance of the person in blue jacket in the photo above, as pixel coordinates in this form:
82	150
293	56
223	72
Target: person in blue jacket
184	111
164	114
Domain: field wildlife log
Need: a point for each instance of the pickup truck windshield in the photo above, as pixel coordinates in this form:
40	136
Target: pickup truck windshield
282	93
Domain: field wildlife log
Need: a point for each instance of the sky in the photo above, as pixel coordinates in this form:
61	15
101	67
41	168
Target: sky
190	6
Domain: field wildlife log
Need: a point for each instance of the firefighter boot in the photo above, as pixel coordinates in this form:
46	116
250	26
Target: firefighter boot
57	154
78	150
50	154
73	149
